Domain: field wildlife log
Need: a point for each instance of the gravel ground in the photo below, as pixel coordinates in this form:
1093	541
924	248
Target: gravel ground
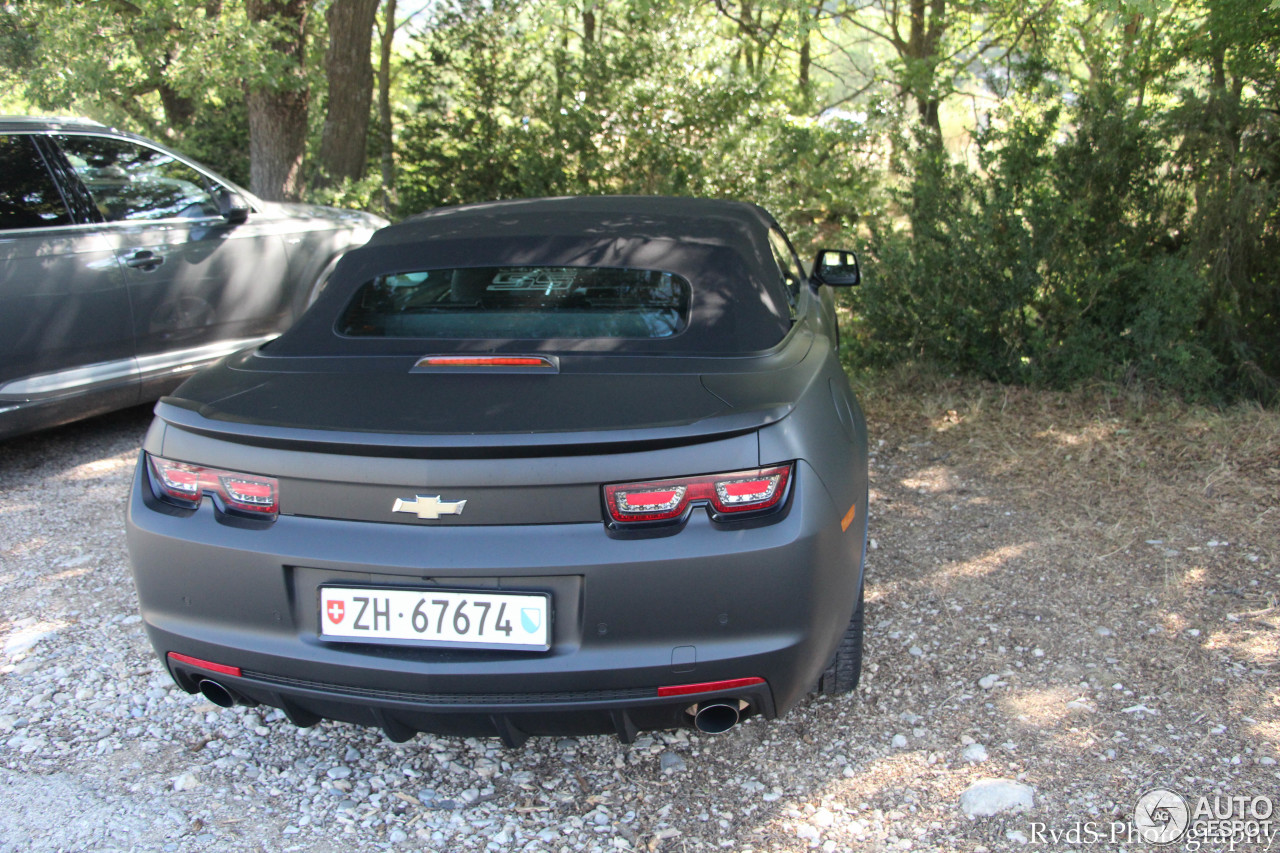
1074	595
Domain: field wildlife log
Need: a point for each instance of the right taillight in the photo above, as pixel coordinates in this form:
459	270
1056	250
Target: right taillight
733	494
184	484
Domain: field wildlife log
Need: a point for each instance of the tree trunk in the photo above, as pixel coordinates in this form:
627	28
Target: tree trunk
389	200
928	23
344	139
808	18
277	139
278	108
928	111
179	110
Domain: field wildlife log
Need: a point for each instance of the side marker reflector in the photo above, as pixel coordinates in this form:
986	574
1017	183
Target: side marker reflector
848	517
709	686
204	664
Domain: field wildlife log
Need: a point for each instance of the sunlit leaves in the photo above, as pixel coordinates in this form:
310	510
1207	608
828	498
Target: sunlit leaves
511	100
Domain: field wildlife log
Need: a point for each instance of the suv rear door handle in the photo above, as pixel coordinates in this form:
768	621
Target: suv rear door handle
144	260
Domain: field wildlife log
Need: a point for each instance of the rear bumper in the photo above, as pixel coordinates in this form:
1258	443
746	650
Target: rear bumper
631	616
509	716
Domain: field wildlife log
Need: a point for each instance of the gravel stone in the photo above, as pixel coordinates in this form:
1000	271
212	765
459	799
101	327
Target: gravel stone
809	833
186	782
988	797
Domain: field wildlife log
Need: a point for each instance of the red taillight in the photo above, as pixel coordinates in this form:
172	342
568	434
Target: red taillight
727	494
185	484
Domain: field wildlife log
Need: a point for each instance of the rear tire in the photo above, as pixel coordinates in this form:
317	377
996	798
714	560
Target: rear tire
842	674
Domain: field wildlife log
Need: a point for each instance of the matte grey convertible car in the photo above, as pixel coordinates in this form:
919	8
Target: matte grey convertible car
529	467
124	267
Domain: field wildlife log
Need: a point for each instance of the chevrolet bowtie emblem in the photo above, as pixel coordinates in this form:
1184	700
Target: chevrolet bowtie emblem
429	506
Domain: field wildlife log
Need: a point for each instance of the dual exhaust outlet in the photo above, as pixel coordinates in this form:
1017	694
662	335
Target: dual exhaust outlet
711	718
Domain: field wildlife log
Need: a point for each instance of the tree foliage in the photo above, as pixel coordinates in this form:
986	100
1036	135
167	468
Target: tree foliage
218	77
1051	192
548	98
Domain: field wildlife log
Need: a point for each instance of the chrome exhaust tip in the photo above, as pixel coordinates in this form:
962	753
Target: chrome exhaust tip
715	718
216	693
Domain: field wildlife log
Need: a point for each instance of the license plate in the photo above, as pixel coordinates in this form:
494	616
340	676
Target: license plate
474	619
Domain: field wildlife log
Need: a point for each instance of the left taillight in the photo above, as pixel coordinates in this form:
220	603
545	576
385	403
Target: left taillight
184	484
730	495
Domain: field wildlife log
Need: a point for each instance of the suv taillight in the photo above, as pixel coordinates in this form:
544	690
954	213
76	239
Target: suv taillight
735	494
184	484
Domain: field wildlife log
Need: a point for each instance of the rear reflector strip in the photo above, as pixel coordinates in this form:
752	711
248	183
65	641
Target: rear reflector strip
204	664
709	686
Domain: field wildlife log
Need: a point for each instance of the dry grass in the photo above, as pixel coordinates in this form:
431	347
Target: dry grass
1131	509
1143	467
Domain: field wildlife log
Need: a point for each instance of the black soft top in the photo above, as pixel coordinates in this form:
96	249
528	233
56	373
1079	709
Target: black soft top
739	302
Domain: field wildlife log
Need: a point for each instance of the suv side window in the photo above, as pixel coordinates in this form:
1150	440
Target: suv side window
788	266
131	182
29	198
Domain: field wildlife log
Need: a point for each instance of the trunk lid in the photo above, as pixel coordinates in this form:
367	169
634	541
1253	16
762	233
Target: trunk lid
377	406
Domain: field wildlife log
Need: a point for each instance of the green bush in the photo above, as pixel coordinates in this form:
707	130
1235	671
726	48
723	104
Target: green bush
1050	264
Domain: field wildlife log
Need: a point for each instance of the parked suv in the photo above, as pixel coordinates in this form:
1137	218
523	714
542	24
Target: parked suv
125	266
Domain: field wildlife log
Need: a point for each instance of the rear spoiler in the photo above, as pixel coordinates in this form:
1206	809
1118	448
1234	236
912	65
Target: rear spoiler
184	415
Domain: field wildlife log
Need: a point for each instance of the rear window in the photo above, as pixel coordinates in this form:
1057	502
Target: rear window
520	302
131	182
28	196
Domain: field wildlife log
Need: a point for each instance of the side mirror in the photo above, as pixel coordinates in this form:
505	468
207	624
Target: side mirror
233	207
836	268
